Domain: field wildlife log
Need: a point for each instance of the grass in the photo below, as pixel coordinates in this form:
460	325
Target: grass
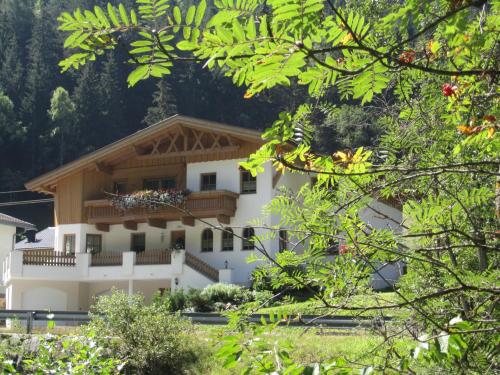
318	308
307	346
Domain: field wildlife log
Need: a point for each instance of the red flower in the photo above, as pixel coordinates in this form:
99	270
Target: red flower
407	57
448	90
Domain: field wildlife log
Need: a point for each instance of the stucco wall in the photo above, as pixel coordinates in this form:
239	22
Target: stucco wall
7	233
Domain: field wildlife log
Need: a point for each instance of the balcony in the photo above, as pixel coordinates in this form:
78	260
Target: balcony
147	265
220	204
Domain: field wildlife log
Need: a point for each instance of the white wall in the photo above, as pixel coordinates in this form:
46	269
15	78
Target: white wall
7	240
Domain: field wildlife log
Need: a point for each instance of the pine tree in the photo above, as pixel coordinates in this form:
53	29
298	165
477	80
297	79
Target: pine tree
42	71
62	114
164	103
112	87
89	104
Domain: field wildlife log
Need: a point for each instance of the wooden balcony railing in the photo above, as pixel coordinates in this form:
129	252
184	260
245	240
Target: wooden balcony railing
204	268
150	257
47	258
106	259
203	204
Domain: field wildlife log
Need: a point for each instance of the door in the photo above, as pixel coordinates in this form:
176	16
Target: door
178	239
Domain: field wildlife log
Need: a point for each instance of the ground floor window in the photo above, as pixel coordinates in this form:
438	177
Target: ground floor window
94	243
283	240
69	243
247	242
207	240
138	242
227	239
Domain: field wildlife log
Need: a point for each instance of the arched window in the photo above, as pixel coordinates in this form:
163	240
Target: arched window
247	243
227	239
207	240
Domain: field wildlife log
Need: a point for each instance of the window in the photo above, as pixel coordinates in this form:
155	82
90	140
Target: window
227	239
247	243
159	183
119	187
94	243
248	183
69	243
138	242
208	181
207	241
283	240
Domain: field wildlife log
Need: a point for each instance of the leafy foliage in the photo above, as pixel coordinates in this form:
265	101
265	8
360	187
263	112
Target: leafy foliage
431	69
150	338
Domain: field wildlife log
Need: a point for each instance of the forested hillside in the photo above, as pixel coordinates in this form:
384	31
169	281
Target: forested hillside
40	128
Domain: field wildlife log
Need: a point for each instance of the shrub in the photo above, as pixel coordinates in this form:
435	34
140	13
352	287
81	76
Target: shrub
226	293
174	301
199	302
150	337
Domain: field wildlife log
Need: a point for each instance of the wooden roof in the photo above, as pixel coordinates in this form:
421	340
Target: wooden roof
174	136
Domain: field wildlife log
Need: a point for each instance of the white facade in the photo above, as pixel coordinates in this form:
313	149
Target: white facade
7	241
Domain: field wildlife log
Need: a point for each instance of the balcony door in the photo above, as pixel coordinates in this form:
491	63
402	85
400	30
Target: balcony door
178	239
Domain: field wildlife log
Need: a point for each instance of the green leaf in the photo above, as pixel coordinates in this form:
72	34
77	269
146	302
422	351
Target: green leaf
123	14
177	15
139	73
112	15
200	12
190	15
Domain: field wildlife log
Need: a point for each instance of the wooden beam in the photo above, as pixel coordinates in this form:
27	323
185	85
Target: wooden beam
190	152
138	150
103	168
157	223
102	227
223	219
188	220
130	225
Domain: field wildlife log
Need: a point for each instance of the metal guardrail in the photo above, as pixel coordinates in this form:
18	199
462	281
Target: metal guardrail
338	322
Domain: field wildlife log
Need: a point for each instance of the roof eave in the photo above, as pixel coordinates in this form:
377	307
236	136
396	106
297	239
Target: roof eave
39	183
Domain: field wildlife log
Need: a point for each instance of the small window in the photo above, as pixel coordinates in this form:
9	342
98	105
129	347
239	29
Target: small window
208	181
94	243
227	239
168	183
119	187
207	241
248	183
138	242
159	183
69	243
247	243
283	240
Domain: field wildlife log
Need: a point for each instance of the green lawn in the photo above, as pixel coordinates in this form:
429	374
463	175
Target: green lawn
318	308
308	346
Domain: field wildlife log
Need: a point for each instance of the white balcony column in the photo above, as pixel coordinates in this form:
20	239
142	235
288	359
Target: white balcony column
128	263
178	259
83	262
15	263
130	287
226	276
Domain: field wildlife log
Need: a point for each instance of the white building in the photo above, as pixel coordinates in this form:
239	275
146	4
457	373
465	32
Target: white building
8	229
98	246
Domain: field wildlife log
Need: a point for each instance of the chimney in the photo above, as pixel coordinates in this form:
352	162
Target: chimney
31	235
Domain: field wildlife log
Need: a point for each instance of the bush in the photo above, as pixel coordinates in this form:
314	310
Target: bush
226	293
149	337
